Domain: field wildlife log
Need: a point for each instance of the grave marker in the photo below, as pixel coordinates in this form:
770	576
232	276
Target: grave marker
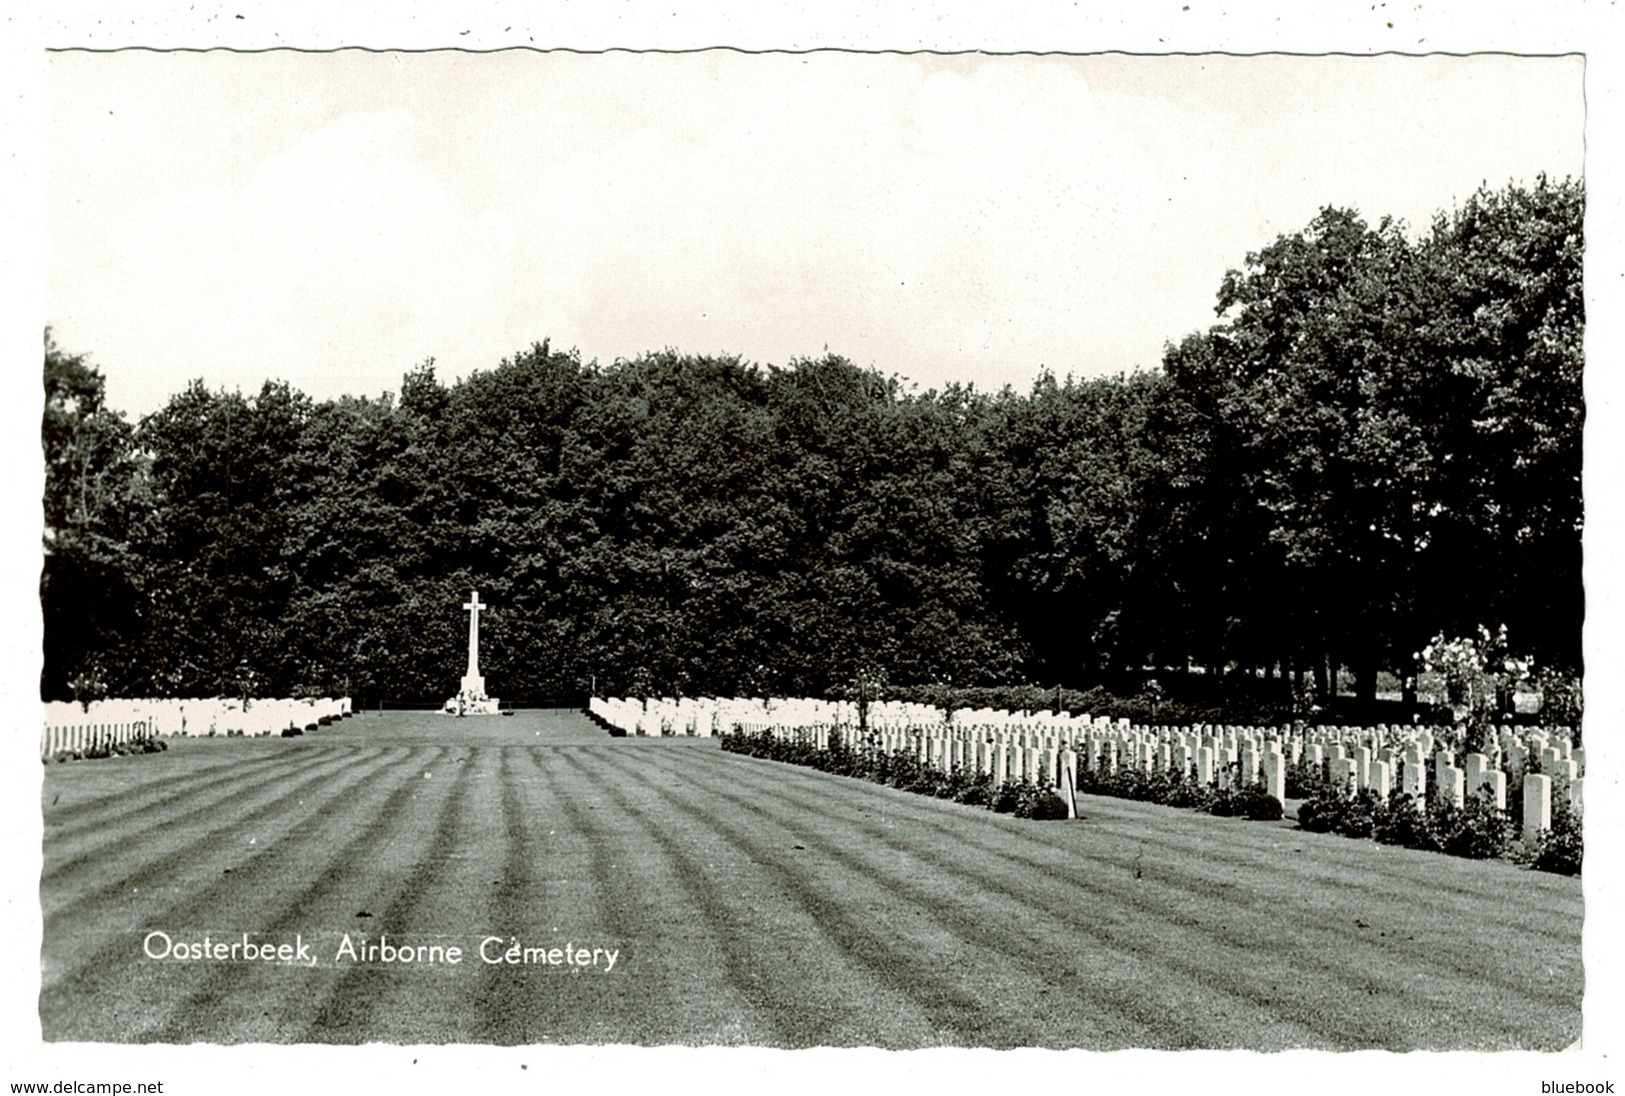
1537	805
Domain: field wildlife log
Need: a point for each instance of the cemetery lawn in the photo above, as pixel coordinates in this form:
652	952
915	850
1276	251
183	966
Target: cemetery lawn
748	902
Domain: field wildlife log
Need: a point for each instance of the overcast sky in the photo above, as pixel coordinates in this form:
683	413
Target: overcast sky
333	219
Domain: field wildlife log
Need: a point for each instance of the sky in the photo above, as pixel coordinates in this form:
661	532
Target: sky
334	219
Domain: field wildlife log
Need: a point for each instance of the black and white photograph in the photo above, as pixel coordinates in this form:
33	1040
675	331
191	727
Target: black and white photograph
546	548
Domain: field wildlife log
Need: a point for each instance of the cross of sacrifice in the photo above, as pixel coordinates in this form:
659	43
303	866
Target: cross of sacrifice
474	605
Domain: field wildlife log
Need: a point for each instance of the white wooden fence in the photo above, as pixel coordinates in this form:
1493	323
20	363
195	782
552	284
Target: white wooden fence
89	737
105	720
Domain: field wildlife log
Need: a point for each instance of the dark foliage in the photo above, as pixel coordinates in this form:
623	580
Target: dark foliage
1252	803
1477	830
1334	809
1377	442
1561	848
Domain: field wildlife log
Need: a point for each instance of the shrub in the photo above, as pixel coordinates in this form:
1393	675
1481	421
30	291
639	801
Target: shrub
1403	821
1560	848
1186	792
1029	800
1006	797
1127	783
973	789
1044	806
1478	830
1252	803
1304	779
1336	810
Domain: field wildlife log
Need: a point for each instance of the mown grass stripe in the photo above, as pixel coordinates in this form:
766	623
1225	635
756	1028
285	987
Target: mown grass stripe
1463	963
1003	925
558	889
1195	890
1335	856
244	862
167	774
607	905
681	990
66	852
710	907
1165	911
771	998
346	1012
958	1012
111	976
1199	840
500	1004
1017	899
93	879
215	999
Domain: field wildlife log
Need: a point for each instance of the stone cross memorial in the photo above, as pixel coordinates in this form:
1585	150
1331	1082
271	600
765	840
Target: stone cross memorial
471	698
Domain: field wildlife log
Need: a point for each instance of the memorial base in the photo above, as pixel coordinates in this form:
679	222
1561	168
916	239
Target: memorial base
472	704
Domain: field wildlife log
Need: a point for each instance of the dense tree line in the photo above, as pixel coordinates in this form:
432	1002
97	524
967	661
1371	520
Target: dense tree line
1378	440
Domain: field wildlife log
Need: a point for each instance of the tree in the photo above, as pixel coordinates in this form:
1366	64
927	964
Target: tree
90	586
1505	329
219	583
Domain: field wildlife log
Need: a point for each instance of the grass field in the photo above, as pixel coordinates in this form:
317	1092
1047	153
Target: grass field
748	903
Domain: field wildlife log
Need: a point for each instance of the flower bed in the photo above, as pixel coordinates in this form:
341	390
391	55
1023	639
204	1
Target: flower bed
1477	829
899	769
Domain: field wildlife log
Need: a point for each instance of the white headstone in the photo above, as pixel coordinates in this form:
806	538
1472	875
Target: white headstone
1537	805
1380	779
1068	783
1475	765
1452	784
1275	774
1345	772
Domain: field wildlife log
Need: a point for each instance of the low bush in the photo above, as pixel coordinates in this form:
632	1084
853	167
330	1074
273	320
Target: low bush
1477	830
1403	821
1004	798
1143	787
1038	801
1334	809
1252	803
903	769
1304	779
1560	848
974	790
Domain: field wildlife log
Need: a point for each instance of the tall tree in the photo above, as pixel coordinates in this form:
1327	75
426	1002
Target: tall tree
90	586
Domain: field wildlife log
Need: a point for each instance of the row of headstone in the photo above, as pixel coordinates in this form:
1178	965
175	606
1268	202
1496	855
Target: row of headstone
1052	751
706	716
1297	742
88	737
1384	758
202	716
665	716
